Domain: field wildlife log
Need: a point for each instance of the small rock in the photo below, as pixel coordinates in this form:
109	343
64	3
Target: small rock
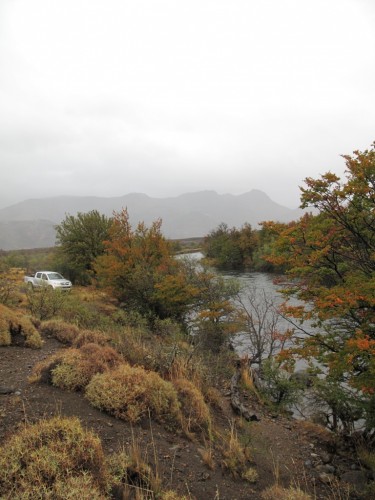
325	457
326	478
175	447
356	478
6	390
204	476
325	468
308	463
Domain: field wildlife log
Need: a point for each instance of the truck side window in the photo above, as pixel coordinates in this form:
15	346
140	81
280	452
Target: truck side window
38	275
44	277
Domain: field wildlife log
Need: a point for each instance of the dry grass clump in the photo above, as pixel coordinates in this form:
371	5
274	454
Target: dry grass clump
73	487
16	329
10	294
64	332
130	473
131	343
50	460
318	433
196	415
213	396
367	458
186	362
129	393
70	334
6	318
58	460
276	492
132	477
172	495
90	337
72	369
236	457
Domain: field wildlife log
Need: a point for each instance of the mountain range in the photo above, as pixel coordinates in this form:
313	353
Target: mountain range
31	223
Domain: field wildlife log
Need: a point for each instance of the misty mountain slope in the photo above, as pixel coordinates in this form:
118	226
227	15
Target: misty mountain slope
30	224
15	235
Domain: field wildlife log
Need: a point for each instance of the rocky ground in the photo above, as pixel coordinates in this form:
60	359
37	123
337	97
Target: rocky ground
283	451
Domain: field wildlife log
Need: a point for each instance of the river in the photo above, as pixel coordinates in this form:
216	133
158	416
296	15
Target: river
262	288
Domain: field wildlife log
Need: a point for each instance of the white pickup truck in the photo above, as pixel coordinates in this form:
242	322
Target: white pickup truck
48	278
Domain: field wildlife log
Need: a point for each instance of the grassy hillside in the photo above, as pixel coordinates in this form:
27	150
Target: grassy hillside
96	404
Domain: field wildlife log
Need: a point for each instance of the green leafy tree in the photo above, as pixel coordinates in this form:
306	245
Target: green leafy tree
331	256
230	248
81	240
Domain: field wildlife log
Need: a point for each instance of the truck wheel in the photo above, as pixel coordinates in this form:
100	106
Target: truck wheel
30	286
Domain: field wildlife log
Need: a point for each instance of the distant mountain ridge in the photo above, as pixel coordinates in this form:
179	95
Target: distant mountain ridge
30	224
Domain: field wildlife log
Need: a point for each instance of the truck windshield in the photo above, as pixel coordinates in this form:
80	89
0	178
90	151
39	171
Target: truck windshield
55	276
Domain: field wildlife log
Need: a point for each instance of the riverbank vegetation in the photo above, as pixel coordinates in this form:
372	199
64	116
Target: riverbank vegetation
240	249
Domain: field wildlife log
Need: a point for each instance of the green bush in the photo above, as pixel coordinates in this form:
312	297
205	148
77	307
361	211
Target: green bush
45	303
278	386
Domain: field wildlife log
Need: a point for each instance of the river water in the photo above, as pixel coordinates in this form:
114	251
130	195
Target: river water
265	285
262	285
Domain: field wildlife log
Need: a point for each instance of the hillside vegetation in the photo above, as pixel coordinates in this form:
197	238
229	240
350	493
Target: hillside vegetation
126	387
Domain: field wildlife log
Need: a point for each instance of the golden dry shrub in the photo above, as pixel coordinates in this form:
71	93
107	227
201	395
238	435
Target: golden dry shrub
25	328
196	414
130	393
64	332
42	371
5	338
71	488
132	345
130	472
276	492
236	456
17	329
133	477
43	459
90	337
173	495
72	369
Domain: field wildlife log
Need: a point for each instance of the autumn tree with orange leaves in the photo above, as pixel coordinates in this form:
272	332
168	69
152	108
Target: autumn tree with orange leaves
139	269
330	257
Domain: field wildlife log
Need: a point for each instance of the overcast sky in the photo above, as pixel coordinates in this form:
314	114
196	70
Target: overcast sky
164	97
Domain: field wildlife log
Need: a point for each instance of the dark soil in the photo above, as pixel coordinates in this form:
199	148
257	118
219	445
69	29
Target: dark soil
281	448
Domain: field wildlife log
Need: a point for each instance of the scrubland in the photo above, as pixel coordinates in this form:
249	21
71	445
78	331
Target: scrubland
97	404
